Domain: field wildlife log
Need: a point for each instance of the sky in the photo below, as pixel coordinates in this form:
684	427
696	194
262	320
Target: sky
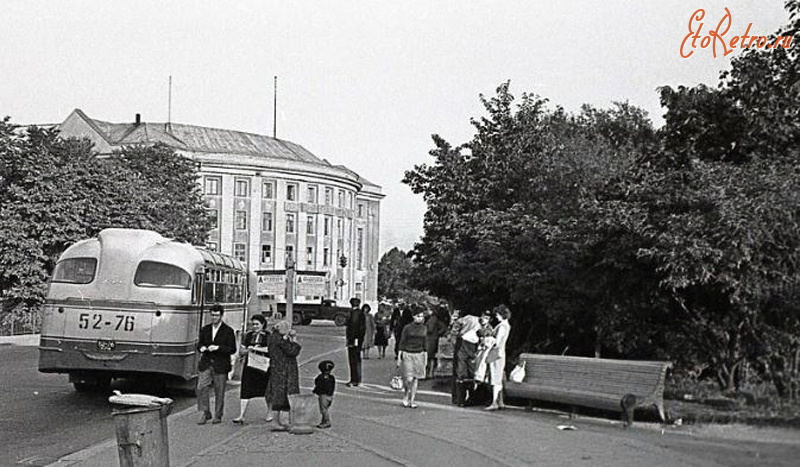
360	83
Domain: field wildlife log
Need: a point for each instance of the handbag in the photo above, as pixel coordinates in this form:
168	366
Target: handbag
258	361
517	375
396	383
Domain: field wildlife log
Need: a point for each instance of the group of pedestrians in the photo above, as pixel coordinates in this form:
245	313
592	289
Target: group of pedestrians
216	344
479	355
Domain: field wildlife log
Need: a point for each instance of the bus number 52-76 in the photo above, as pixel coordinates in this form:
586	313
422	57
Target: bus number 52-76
95	321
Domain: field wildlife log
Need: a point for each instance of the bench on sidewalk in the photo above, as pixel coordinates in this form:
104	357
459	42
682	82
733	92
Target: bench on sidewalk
615	385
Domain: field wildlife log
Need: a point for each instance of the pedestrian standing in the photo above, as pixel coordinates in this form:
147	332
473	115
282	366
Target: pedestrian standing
324	386
254	381
437	325
465	332
284	378
354	333
497	356
369	329
381	335
412	357
216	344
403	316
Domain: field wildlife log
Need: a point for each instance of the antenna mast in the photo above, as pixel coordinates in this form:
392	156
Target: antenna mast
169	106
275	107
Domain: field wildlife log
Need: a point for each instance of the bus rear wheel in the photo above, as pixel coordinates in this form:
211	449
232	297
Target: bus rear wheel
297	319
340	320
91	383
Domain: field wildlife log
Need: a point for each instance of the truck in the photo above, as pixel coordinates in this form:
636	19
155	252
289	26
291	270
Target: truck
303	313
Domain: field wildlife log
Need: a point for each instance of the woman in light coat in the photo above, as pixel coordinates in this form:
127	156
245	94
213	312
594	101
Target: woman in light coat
497	356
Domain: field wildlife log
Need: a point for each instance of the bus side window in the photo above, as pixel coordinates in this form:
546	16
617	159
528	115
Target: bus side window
197	288
219	293
209	292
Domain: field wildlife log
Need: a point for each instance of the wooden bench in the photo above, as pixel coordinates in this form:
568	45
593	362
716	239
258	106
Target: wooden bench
593	382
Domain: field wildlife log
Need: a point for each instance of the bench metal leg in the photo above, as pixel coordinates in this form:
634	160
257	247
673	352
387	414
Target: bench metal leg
628	404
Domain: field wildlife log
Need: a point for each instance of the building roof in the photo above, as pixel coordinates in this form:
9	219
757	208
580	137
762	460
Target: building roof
201	139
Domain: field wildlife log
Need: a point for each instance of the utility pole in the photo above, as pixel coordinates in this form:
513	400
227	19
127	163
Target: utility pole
289	287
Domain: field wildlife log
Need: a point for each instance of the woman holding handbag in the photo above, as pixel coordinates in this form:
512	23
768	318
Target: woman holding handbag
254	380
496	357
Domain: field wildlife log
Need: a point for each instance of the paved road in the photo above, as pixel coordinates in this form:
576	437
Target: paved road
42	418
372	428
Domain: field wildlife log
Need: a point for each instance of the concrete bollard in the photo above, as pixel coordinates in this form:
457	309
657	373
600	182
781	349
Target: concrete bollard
304	411
142	439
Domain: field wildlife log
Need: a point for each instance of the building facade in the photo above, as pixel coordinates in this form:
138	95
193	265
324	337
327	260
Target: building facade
275	205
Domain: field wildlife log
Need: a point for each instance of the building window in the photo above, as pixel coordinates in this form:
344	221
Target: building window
328	196
312	194
340	199
327	226
310	256
349	201
326	253
339	230
289	223
310	225
360	249
266	253
268	190
359	286
289	252
240	220
213	185
240	252
291	192
212	246
241	188
266	222
360	210
213	215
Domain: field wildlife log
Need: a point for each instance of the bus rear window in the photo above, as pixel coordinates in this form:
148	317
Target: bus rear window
75	270
152	274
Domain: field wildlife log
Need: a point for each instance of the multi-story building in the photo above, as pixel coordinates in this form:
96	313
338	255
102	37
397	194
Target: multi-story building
273	201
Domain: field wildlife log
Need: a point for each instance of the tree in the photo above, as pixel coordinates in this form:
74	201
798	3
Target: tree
54	192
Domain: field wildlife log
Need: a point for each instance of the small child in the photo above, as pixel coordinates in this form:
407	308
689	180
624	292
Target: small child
324	385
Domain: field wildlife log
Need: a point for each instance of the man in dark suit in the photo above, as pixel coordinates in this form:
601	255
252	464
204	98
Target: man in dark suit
216	344
355	331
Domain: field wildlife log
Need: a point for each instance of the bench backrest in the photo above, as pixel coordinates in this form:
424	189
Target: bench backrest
643	379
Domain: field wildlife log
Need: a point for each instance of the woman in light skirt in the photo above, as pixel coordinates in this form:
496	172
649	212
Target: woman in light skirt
412	357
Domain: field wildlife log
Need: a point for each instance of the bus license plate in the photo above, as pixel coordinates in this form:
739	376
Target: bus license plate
115	322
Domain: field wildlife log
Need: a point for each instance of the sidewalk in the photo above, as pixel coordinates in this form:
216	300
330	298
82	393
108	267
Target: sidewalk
372	428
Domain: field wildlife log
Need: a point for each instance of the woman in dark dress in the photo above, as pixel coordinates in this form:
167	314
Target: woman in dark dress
381	335
284	378
254	382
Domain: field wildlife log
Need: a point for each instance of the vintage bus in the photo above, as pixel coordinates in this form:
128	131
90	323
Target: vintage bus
130	303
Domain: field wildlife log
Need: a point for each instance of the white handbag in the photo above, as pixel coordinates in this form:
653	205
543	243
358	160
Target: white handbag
518	373
258	361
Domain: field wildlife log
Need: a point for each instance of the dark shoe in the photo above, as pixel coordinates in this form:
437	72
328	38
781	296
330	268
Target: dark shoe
238	421
204	417
215	421
324	425
351	384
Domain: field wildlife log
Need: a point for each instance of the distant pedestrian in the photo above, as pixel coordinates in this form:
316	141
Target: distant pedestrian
216	344
381	335
284	377
354	333
254	382
497	356
369	329
412	356
324	387
437	325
